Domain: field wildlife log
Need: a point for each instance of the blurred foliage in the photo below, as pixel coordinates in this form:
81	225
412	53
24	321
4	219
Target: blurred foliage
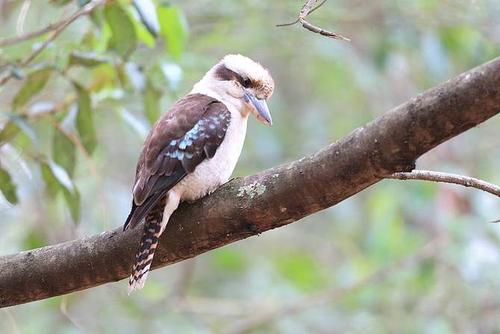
73	121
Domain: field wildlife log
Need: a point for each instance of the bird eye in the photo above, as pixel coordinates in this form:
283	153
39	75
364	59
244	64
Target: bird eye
246	82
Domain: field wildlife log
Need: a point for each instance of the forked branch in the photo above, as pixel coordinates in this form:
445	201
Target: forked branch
309	7
55	30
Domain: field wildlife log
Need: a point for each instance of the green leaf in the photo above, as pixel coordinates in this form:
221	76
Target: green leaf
87	59
172	29
72	198
51	183
85	121
148	28
63	151
8	187
33	84
57	181
144	35
147	15
151	102
9	131
123	36
14	126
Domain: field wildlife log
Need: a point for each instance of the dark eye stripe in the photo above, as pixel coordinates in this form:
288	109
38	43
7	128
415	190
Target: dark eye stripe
225	74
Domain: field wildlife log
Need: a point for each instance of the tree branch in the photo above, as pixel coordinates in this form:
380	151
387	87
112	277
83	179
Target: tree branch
273	198
466	181
309	7
55	29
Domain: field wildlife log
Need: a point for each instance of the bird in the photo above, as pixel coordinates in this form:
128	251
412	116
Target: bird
193	149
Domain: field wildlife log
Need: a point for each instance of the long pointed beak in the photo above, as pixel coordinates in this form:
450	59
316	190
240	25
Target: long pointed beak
261	106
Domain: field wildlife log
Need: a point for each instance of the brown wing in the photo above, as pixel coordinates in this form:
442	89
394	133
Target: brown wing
190	133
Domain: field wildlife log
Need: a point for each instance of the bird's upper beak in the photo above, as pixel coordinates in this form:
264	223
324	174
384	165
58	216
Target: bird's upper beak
260	106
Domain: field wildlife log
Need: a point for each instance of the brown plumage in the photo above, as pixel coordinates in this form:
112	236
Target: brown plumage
159	167
194	148
178	142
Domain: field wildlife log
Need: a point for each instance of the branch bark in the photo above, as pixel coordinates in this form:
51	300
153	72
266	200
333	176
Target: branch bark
273	198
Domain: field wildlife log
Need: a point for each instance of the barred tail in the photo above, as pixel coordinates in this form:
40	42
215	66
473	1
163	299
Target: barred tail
145	252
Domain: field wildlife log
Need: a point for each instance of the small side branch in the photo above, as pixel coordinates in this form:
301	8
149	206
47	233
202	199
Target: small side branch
309	7
55	29
465	181
30	35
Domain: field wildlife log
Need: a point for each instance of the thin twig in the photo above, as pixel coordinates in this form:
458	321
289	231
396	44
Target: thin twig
465	181
30	35
307	9
56	31
297	20
288	24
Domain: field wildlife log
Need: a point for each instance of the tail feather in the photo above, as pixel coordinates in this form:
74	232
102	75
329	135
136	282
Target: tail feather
139	211
145	252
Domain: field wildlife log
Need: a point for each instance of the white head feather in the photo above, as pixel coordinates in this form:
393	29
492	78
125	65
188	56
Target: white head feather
229	89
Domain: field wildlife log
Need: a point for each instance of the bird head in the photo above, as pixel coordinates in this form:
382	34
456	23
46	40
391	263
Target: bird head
244	83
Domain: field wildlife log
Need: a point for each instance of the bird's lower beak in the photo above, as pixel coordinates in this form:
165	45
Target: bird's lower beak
260	106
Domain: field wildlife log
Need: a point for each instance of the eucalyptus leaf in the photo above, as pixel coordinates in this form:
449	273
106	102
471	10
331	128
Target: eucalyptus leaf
72	198
87	59
9	131
33	84
52	185
14	126
172	29
85	121
147	13
144	35
123	36
63	151
57	181
8	187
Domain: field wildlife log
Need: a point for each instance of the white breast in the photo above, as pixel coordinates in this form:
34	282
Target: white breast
213	172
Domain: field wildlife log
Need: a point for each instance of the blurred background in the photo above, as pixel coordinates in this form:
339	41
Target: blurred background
400	257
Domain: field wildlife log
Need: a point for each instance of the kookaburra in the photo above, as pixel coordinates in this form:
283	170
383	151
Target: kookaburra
193	149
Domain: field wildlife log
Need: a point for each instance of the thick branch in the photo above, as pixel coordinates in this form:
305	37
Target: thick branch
466	181
273	198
